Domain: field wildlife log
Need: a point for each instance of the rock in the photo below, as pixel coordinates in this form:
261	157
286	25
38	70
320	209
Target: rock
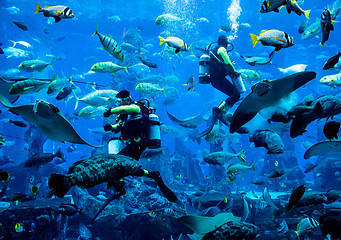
233	231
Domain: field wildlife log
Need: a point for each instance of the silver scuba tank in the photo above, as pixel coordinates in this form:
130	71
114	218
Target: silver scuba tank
154	138
204	69
115	145
238	83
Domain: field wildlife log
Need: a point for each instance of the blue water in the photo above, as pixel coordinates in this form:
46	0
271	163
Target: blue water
72	39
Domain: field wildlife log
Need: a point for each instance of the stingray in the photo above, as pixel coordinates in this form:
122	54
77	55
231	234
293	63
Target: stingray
322	147
5	85
202	225
48	119
266	93
191	122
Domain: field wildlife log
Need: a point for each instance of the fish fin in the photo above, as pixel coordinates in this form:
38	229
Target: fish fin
254	39
334	21
126	68
280	39
59	184
58	12
190	49
95	30
253	166
162	40
307	13
50	63
330	27
177	50
57	19
38	8
76	100
276	10
322	44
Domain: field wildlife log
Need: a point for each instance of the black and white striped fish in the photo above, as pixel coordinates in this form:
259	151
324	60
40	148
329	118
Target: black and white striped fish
58	12
110	45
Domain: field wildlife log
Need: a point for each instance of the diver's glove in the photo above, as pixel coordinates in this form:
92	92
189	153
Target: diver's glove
107	113
115	128
107	127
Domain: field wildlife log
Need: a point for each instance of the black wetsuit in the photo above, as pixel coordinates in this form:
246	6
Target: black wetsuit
218	73
134	131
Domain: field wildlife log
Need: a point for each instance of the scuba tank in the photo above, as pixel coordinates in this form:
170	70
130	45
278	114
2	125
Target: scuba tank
238	83
204	64
204	69
154	138
114	145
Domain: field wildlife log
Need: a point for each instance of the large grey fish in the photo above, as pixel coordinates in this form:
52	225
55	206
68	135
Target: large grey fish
323	107
268	139
266	93
48	119
42	158
93	171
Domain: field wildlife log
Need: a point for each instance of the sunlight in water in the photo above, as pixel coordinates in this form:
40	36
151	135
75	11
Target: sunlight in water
233	13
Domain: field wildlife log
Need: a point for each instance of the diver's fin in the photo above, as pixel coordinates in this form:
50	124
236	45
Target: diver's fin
164	189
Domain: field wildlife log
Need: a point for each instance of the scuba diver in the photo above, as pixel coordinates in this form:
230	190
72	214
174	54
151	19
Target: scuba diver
214	68
140	128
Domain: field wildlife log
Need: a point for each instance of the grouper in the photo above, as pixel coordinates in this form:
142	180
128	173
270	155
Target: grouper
92	171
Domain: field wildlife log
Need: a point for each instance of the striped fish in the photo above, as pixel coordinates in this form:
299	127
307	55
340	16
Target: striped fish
27	86
93	171
110	45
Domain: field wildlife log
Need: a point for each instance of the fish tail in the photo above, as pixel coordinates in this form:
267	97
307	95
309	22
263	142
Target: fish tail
190	49
307	13
253	166
70	79
76	99
50	63
162	40
59	154
95	30
240	157
254	39
126	68
38	8
59	184
164	90
281	70
322	44
14	42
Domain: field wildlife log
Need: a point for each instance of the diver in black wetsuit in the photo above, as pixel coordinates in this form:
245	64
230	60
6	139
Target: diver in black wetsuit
134	123
220	67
